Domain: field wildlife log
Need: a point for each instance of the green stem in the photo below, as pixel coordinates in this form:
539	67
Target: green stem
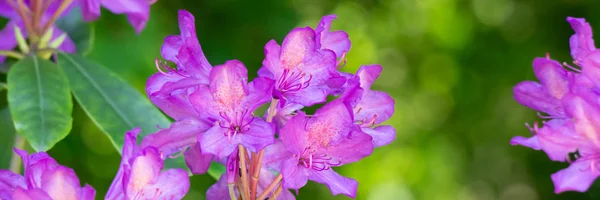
12	54
15	160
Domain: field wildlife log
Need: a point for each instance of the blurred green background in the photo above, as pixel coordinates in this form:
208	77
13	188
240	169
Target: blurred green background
449	64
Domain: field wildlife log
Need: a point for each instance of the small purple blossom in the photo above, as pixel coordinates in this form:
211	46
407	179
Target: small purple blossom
304	66
327	139
137	11
43	179
571	132
141	174
371	107
229	102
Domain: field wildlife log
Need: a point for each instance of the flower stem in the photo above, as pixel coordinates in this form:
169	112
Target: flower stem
63	6
257	164
277	191
15	160
270	187
244	178
231	192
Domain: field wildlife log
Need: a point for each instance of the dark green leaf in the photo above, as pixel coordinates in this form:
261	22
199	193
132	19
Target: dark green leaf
79	31
40	102
113	104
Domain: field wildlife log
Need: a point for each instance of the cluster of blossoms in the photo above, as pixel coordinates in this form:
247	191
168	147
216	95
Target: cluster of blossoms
270	155
35	20
140	176
570	99
214	112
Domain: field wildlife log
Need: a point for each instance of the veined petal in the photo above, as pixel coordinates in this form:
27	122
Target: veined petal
170	184
297	47
215	142
592	67
271	65
368	74
189	56
534	96
228	84
260	135
350	149
577	177
204	104
293	136
552	76
581	42
336	183
584	109
294	176
87	193
330	123
196	160
171	94
180	136
130	151
137	11
374	105
275	154
260	92
336	41
382	135
284	114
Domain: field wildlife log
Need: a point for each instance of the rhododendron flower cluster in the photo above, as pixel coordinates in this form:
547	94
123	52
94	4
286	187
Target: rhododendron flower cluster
214	108
569	100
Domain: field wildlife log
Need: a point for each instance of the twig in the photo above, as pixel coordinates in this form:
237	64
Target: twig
270	187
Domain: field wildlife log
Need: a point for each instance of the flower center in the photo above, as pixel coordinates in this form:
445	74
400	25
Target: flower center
235	122
293	80
316	162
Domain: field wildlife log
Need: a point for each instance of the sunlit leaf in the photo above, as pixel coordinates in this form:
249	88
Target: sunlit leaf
113	104
40	102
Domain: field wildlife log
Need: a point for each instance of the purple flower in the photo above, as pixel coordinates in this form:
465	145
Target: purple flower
570	98
170	90
137	11
141	174
8	39
315	144
304	66
43	178
371	107
229	101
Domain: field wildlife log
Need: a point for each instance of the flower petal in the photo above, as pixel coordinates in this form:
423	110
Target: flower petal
228	84
8	182
219	190
351	149
189	55
552	76
271	65
374	105
130	151
293	136
31	194
382	135
87	193
534	96
336	183
577	177
214	142
297	47
61	183
336	41
90	9
171	94
275	154
260	93
294	176
584	109
170	184
137	11
196	160
144	170
260	135
581	42
177	138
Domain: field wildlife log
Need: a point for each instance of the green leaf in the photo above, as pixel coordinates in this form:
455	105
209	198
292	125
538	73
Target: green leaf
79	31
114	105
7	138
40	102
215	170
